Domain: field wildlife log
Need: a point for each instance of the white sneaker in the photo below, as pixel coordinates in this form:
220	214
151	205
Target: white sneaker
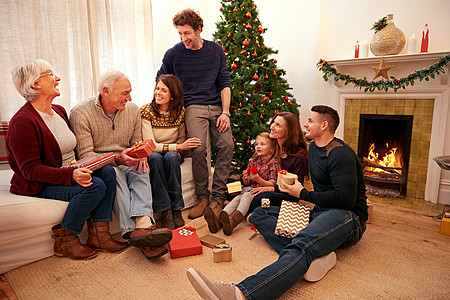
210	290
320	267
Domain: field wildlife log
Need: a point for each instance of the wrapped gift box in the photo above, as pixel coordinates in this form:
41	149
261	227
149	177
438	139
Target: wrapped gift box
94	162
3	130
288	178
185	242
445	224
209	240
234	187
369	212
292	218
142	149
222	252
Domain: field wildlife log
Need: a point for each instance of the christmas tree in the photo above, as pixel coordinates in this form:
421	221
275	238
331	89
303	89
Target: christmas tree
258	90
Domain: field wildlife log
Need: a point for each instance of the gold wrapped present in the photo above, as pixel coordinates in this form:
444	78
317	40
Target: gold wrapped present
222	253
234	187
286	177
210	240
445	224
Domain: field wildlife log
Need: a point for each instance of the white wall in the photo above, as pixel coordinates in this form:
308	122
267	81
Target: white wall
344	22
292	29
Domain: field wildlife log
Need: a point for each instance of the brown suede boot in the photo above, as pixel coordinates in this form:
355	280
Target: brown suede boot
229	222
178	219
212	216
99	238
150	237
167	219
154	252
199	208
68	244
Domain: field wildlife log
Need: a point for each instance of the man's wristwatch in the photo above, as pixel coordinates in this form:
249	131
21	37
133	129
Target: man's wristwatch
226	113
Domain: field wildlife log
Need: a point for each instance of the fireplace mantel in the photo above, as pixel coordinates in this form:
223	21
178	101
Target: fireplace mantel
404	64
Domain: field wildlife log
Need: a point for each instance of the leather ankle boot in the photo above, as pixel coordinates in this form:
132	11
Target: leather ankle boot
100	238
167	219
229	222
212	216
199	208
68	244
178	219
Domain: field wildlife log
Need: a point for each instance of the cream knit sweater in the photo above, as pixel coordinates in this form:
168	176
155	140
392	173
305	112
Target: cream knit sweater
165	132
97	133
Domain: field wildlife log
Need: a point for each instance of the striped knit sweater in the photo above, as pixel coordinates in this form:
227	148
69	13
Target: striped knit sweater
97	133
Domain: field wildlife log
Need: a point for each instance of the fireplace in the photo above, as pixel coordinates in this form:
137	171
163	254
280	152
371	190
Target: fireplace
428	101
384	148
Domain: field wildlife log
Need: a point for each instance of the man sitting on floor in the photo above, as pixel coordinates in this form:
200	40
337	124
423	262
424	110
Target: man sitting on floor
337	220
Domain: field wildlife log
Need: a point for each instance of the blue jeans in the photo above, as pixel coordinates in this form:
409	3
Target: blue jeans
328	230
165	177
201	120
275	199
133	197
95	201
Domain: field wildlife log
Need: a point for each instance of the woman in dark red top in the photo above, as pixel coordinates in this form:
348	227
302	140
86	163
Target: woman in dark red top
40	146
285	128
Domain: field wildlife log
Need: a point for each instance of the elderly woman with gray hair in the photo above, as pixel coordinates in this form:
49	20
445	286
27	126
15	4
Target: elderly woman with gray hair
40	146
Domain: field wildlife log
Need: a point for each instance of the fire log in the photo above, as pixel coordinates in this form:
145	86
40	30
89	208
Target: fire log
376	165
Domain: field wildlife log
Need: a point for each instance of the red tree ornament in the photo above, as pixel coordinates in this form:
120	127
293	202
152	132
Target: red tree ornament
290	102
249	113
234	66
255	77
229	35
240	105
261	117
266	77
248	26
245	43
260	30
275	61
255	54
248	15
274	73
224	49
249	142
221	9
235	9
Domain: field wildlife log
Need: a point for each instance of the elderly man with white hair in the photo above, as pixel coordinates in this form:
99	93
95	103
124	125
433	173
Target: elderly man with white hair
110	122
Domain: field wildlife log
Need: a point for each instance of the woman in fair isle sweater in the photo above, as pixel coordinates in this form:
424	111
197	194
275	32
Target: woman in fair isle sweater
163	121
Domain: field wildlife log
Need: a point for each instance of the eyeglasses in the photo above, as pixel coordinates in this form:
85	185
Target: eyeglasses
47	74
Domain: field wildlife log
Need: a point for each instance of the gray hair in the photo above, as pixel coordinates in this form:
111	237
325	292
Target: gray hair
25	75
109	78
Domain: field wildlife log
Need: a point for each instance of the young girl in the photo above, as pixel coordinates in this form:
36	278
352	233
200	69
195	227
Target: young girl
262	170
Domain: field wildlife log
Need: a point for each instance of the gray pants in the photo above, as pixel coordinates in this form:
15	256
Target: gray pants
201	119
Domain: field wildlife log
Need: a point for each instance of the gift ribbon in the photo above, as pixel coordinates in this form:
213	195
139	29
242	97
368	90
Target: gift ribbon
186	231
222	246
265	202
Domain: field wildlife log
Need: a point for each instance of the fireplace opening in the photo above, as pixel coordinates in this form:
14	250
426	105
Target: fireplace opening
384	146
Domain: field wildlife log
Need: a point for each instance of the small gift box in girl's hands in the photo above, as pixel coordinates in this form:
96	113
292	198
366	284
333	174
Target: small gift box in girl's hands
93	162
234	187
286	177
142	149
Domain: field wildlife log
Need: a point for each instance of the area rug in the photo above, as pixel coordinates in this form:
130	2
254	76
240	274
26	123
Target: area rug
401	256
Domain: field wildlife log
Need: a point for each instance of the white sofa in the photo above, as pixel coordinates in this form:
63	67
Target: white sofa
26	222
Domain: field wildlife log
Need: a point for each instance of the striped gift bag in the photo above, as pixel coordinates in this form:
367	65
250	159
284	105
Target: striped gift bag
3	130
292	218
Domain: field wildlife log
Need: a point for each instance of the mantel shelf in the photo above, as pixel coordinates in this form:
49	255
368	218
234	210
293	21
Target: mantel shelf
389	59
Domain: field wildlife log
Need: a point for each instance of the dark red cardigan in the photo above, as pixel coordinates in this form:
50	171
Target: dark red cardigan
33	152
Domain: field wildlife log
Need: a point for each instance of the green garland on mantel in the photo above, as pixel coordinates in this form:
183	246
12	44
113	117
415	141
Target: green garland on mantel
328	70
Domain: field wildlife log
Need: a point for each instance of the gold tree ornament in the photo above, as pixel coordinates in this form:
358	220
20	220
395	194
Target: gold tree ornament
381	69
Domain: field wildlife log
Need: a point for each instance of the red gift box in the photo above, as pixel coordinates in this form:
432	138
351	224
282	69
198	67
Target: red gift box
94	162
185	242
142	149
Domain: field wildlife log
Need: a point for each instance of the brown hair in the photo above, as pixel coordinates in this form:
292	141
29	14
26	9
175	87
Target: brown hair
295	142
176	92
329	114
273	145
188	17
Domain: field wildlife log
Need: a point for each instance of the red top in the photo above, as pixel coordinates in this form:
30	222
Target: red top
33	152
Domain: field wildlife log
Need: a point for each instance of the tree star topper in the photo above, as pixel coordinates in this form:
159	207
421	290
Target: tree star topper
381	69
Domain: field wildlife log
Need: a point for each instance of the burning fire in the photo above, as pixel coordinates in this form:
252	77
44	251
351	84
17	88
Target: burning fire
389	160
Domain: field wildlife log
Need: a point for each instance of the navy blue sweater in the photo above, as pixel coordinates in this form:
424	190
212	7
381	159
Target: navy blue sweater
337	177
203	72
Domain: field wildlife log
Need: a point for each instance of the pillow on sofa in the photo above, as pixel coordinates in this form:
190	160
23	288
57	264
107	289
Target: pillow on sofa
3	129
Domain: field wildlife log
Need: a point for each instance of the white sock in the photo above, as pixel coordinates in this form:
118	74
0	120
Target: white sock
143	222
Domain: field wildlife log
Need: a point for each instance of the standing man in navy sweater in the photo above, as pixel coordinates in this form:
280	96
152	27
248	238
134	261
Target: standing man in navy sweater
201	67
